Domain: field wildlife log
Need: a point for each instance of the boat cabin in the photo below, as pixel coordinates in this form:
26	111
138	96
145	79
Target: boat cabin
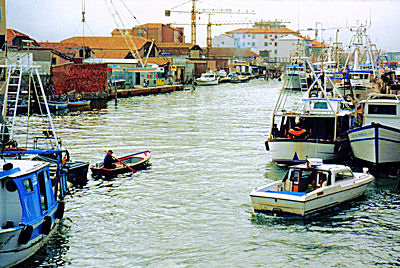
380	108
313	175
317	118
26	192
208	76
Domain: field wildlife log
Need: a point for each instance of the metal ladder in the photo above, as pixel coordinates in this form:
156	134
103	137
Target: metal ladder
303	82
12	92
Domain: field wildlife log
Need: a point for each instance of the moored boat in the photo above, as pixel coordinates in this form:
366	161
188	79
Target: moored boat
310	188
79	103
55	105
313	128
207	79
377	140
129	163
31	211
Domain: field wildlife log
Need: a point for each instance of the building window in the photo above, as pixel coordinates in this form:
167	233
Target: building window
253	44
276	36
248	35
223	42
248	43
276	44
253	36
244	44
244	36
276	51
265	44
1	14
265	36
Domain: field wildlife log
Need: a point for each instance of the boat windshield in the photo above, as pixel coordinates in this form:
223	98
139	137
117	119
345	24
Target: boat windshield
306	180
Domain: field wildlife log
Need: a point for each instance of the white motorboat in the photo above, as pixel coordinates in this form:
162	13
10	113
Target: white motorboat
378	139
30	210
207	79
321	119
310	188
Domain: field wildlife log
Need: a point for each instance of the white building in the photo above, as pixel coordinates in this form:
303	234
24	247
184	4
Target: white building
289	44
223	40
260	39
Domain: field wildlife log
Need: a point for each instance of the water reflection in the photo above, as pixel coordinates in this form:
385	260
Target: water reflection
54	254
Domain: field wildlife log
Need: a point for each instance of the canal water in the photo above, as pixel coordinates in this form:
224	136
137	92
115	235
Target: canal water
191	208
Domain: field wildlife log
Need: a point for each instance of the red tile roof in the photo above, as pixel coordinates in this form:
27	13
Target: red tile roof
106	42
318	44
159	61
60	47
263	30
232	52
11	34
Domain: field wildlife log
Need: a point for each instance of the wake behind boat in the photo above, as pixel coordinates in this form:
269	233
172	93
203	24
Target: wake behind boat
129	163
309	188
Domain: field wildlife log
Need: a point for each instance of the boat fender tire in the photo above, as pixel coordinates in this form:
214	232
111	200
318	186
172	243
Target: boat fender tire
60	210
46	225
277	212
26	234
266	146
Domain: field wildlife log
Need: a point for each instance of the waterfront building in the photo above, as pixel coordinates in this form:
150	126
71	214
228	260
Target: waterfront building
259	39
290	44
158	32
223	40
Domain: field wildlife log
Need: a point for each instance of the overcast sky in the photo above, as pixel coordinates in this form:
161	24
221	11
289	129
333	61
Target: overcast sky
55	20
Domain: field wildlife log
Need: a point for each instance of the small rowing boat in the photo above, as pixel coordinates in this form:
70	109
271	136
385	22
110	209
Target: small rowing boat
137	161
79	103
54	105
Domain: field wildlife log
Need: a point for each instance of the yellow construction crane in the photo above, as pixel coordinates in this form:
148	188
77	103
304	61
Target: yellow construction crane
195	11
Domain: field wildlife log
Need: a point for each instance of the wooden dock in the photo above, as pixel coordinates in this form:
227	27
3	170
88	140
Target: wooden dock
142	91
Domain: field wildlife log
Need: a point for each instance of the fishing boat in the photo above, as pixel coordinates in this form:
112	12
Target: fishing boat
30	211
310	188
311	128
129	163
295	77
377	140
79	103
76	171
207	79
55	105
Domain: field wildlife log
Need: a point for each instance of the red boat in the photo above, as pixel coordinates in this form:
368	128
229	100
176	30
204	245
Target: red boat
129	163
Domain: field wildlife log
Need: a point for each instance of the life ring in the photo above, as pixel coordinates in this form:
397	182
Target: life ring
26	234
46	225
60	210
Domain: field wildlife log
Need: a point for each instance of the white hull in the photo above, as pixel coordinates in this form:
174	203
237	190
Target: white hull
287	151
12	252
376	144
206	83
323	198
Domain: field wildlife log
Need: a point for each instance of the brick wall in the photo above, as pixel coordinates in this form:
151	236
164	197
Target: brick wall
83	78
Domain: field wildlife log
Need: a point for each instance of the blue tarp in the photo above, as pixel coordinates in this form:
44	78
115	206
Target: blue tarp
287	192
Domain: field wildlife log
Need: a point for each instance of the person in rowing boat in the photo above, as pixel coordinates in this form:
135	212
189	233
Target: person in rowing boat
109	160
